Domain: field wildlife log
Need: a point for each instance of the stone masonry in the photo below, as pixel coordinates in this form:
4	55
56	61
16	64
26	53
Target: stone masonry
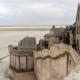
56	63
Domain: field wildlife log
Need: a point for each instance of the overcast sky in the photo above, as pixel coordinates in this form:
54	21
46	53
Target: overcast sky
38	12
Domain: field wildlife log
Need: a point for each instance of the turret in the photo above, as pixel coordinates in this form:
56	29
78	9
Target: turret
52	31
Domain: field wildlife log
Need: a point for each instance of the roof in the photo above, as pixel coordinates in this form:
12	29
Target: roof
72	26
79	4
59	32
28	43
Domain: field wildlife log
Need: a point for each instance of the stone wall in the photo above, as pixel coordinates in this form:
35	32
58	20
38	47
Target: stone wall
56	63
30	63
78	28
53	40
22	62
77	35
71	38
21	59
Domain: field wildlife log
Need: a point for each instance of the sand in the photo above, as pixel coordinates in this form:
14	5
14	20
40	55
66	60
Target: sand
25	28
12	37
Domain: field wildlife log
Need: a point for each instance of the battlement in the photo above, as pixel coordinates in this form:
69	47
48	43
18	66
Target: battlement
19	52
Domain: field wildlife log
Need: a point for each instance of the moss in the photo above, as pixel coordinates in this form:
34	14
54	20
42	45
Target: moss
66	40
14	69
27	70
19	70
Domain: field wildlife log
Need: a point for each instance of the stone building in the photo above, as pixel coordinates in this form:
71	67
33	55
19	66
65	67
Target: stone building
56	36
78	28
72	34
61	59
69	35
62	35
43	44
21	56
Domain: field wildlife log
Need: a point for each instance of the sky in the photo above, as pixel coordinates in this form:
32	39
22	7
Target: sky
38	12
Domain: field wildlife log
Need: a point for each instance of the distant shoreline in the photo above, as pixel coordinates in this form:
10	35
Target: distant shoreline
23	29
27	28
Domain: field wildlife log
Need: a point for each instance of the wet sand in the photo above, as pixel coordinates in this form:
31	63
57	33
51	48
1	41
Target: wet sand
12	37
27	28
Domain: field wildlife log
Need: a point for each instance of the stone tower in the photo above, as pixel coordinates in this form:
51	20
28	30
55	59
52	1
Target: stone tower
52	31
21	56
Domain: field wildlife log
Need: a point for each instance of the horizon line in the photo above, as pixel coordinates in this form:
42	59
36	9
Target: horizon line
32	25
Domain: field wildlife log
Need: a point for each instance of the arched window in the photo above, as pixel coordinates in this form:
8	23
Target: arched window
77	44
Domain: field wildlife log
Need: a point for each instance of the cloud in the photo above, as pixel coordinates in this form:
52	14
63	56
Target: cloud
38	12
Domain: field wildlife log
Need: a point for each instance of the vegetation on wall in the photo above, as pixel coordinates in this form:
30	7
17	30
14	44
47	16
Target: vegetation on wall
66	40
19	70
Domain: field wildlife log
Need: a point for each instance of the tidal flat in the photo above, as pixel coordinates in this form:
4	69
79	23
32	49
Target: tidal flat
12	37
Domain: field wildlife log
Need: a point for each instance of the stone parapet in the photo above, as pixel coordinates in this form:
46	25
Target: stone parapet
19	52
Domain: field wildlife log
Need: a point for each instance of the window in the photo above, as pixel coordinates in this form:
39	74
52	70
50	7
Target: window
78	16
69	62
78	29
60	38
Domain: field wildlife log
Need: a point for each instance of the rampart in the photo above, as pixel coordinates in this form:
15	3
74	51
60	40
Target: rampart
56	63
21	60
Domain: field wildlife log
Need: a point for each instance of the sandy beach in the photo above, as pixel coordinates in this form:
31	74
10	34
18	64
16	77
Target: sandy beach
12	37
25	28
